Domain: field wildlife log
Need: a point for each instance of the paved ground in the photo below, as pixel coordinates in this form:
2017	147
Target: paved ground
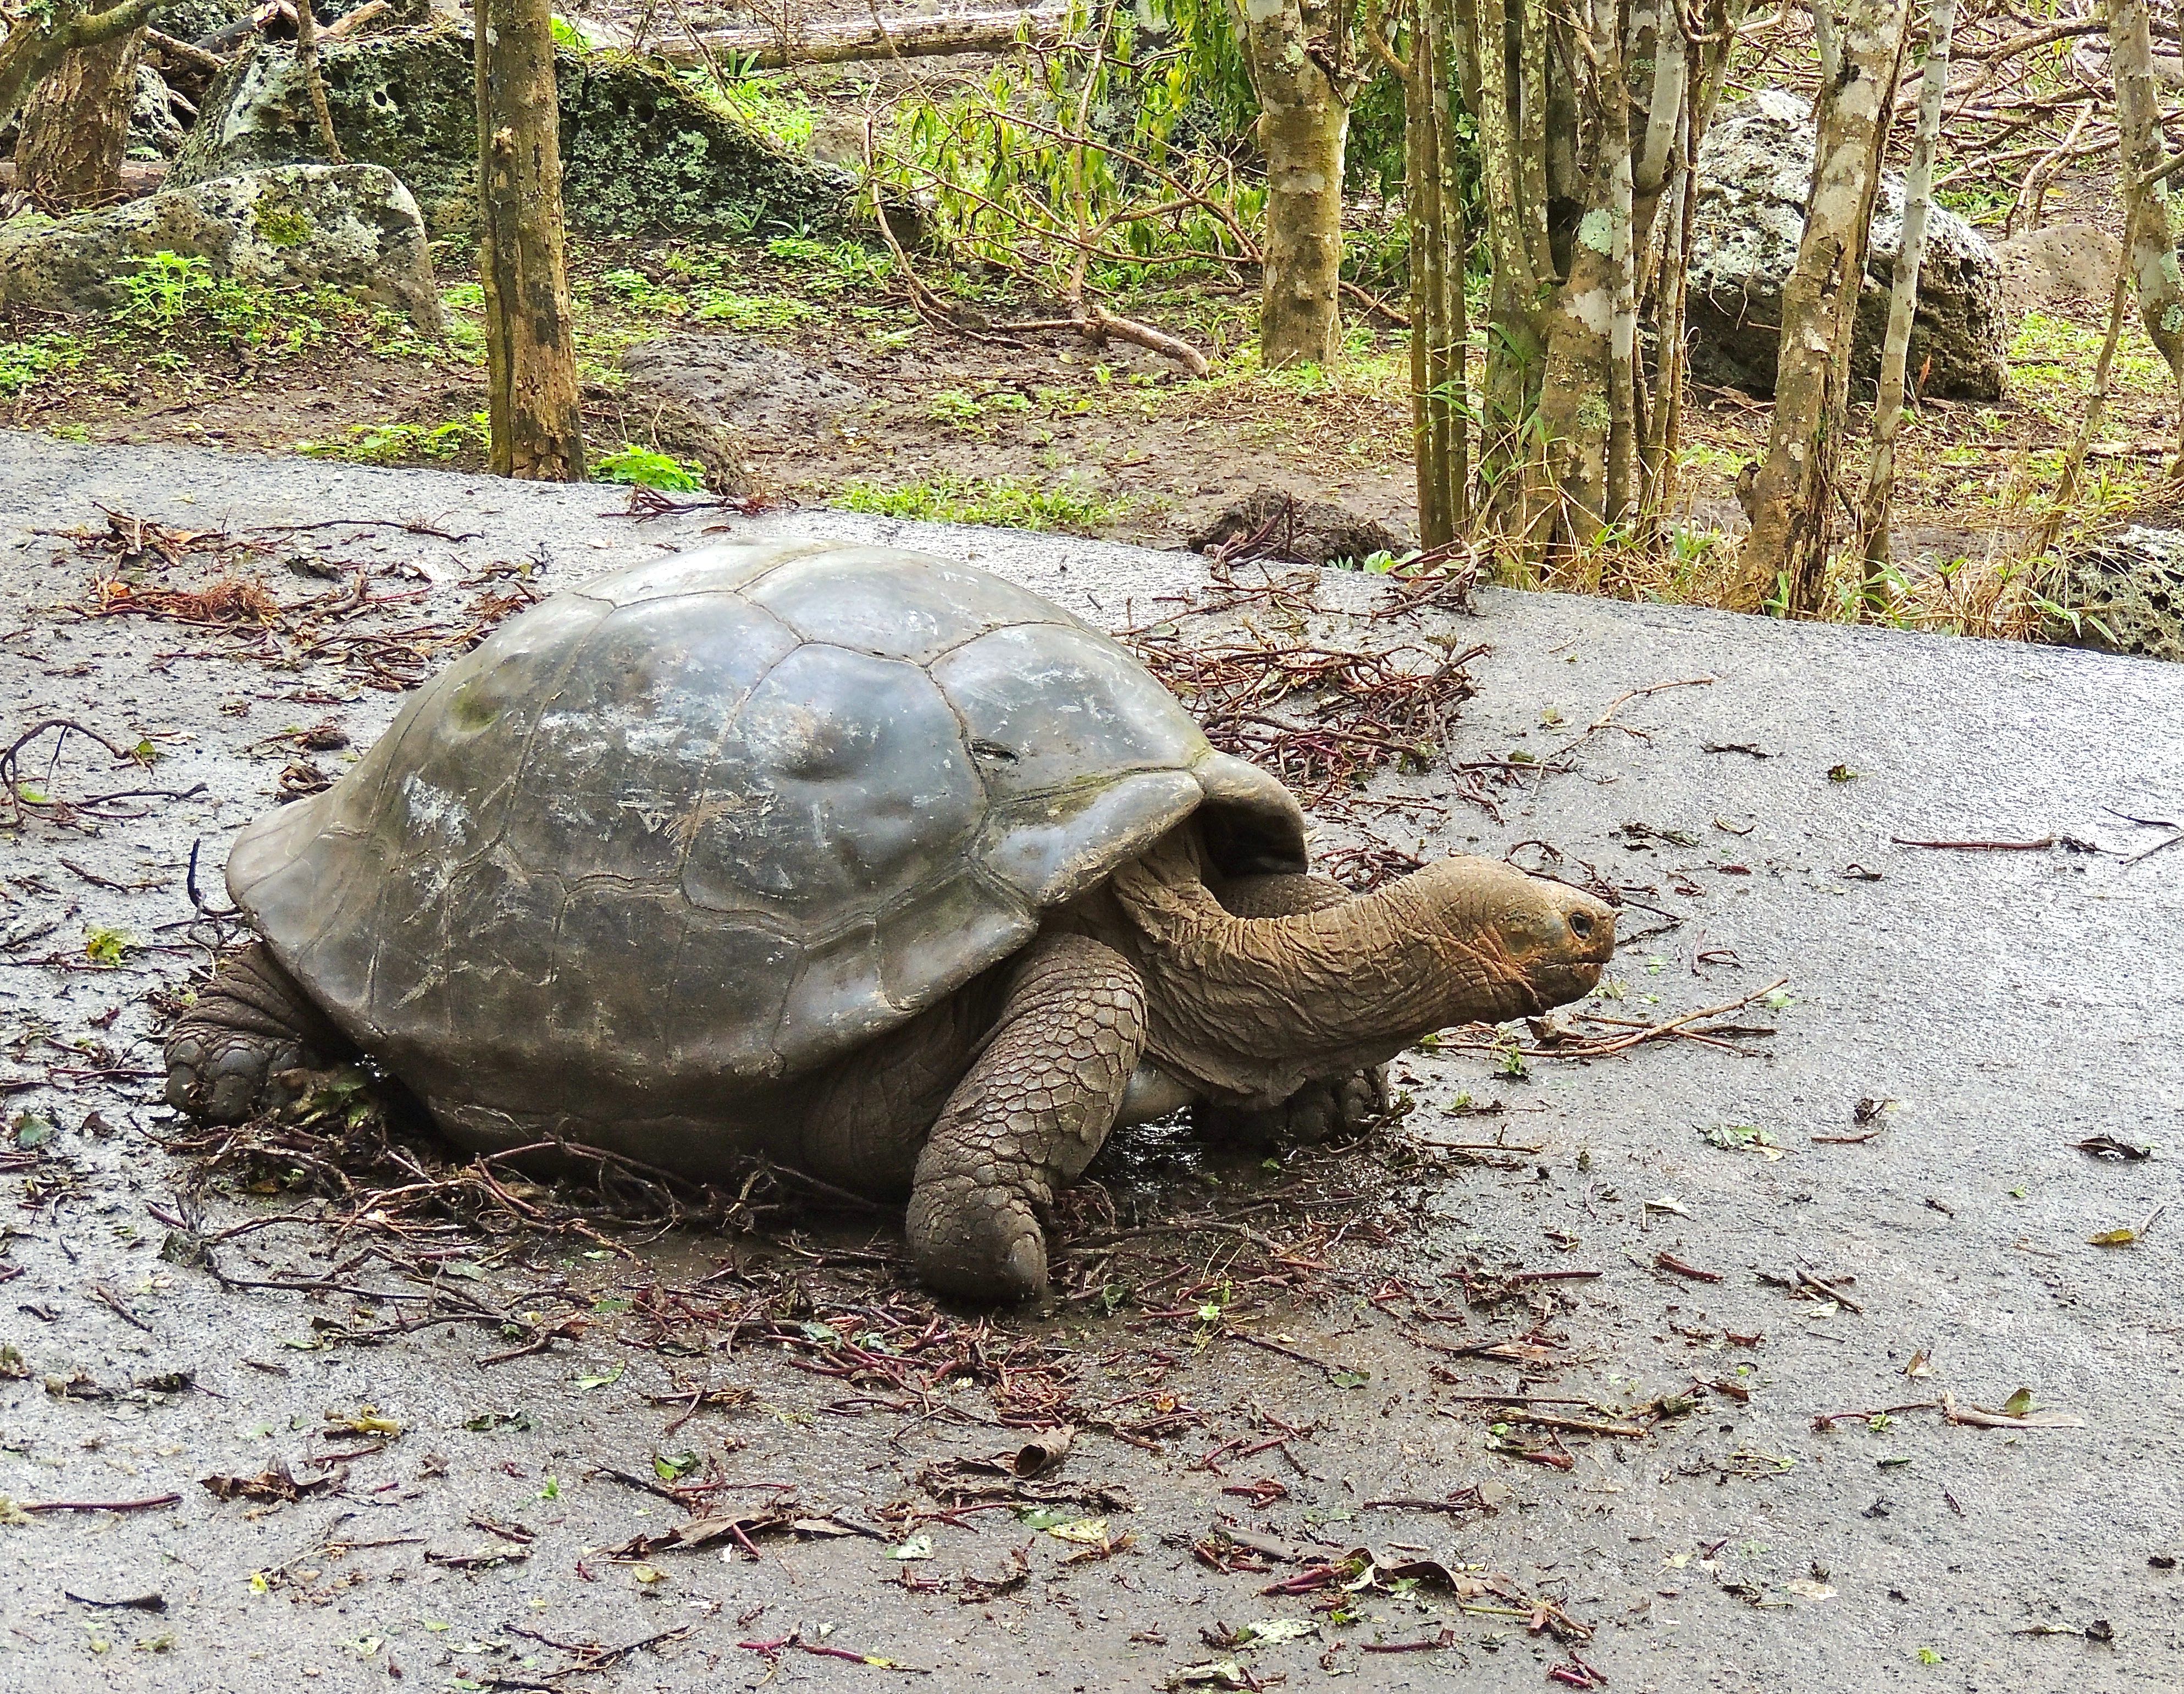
2009	1004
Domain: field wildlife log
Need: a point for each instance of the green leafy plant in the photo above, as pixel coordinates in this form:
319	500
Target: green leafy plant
640	293
173	294
107	947
1100	162
742	311
973	412
831	266
647	468
25	364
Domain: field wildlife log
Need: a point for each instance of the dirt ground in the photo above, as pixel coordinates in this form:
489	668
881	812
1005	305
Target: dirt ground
1695	1363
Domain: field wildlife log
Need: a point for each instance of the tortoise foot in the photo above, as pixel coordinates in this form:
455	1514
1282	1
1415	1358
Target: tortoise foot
980	1242
231	1056
1323	1110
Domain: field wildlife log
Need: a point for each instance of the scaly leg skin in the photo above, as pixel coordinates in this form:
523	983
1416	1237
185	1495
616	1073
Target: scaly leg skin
1027	1118
1321	1109
227	1056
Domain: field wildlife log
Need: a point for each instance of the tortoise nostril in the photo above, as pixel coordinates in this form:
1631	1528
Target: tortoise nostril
1581	923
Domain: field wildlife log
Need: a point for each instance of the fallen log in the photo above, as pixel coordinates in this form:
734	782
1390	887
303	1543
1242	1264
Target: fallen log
849	39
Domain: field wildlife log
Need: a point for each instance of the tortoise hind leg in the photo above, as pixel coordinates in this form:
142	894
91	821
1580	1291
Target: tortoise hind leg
226	1056
1026	1117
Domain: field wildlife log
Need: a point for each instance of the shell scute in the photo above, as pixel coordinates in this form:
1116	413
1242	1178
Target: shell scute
862	598
844	786
1050	705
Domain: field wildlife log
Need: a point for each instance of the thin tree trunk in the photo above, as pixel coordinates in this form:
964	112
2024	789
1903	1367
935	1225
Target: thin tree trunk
75	127
534	412
307	57
1438	258
2089	428
1303	128
40	35
1903	304
1521	263
2150	236
1791	496
1824	41
1587	400
1454	391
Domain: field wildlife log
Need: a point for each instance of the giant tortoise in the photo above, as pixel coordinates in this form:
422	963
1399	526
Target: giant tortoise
861	858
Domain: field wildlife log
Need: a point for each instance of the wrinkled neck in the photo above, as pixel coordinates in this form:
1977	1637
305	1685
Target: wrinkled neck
1274	999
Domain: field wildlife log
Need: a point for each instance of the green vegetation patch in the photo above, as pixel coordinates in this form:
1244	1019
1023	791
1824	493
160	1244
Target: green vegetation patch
646	469
1002	502
171	297
25	364
741	311
402	443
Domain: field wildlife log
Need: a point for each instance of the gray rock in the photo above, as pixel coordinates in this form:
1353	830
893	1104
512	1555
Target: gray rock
192	20
745	386
2128	591
348	226
639	153
154	131
1755	169
2061	262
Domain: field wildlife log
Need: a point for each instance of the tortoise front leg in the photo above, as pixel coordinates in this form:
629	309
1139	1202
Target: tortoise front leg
1026	1117
251	1024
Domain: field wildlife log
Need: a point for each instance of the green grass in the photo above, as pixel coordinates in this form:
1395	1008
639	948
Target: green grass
831	266
638	293
398	444
741	311
1002	502
2051	361
974	412
773	105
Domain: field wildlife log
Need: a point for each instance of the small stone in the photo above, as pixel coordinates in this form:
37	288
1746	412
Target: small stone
1273	523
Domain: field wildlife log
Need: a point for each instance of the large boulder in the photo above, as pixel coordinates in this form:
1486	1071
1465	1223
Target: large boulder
2059	264
2128	590
348	226
1755	169
639	153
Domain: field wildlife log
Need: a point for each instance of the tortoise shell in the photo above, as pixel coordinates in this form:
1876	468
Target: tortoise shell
715	821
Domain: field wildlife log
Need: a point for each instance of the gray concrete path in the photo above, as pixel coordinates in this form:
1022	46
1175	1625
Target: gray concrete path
2007	1004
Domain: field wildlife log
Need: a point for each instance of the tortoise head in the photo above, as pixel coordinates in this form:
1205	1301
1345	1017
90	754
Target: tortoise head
1510	944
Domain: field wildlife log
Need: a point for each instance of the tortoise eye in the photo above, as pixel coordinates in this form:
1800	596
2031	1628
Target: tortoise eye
1581	923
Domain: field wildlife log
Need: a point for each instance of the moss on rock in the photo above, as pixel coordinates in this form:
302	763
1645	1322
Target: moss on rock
639	153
